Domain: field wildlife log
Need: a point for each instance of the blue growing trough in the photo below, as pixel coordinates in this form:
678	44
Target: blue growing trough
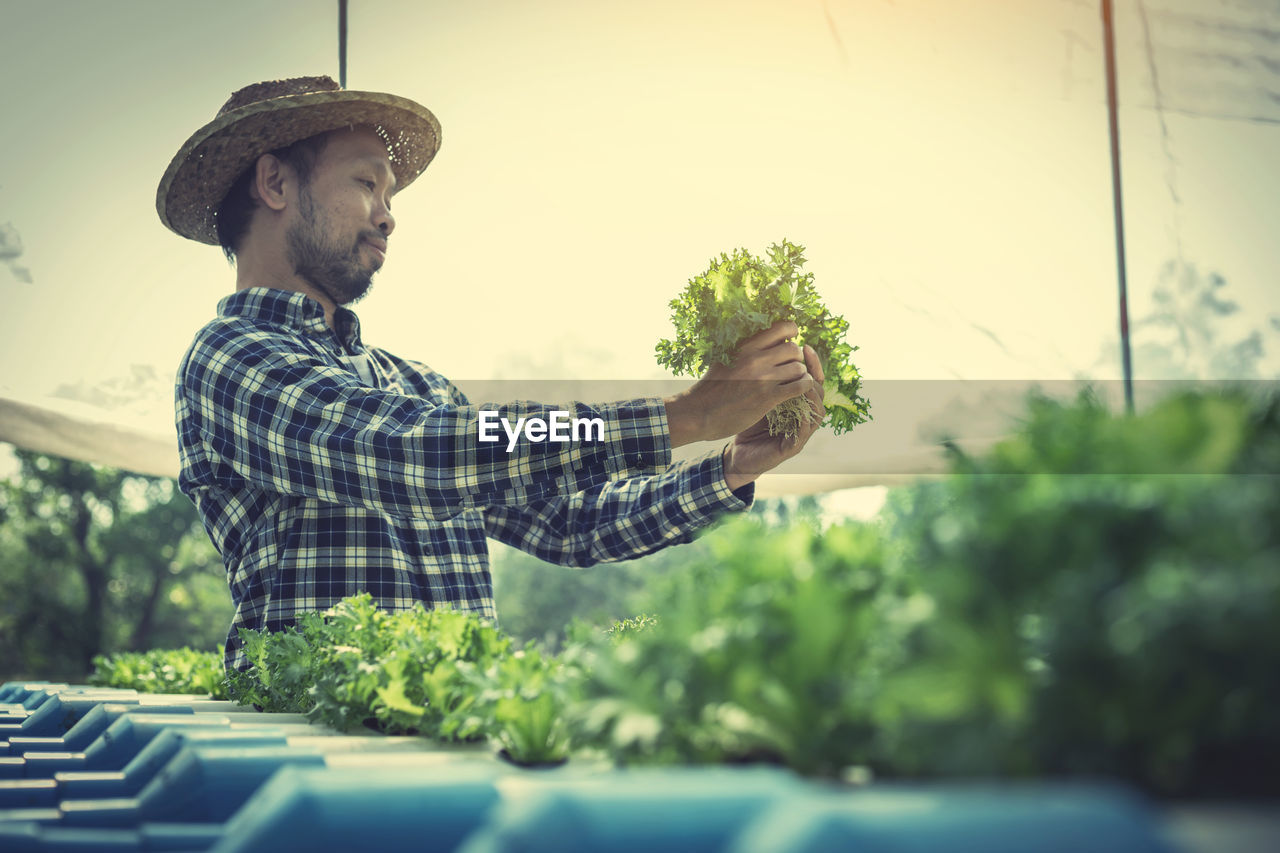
87	769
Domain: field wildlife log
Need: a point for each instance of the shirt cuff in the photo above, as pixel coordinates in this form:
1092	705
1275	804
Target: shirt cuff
646	450
709	495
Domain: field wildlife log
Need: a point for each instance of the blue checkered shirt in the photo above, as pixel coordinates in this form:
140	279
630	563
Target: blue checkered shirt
323	468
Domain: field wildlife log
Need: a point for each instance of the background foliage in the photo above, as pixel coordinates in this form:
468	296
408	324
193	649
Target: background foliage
94	560
538	601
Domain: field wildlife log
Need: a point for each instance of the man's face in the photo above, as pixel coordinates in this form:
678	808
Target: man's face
338	238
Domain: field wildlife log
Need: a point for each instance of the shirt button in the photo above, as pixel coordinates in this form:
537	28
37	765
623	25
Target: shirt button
638	463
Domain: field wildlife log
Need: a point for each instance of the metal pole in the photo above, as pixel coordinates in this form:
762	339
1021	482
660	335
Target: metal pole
1109	42
342	43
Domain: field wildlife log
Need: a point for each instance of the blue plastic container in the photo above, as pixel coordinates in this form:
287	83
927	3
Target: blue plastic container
87	729
58	712
425	808
119	742
200	785
152	758
36	838
109	770
28	793
127	736
683	811
958	819
27	694
10	689
25	793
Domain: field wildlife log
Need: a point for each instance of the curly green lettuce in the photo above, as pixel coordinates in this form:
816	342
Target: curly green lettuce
740	295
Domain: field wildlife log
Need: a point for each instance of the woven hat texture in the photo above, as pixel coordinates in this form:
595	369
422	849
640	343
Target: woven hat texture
273	114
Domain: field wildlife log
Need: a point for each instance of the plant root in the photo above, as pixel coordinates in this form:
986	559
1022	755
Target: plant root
787	417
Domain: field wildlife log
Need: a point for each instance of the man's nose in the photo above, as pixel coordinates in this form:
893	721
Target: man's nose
385	222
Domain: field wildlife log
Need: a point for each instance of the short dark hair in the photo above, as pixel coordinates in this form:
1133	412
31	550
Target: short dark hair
232	219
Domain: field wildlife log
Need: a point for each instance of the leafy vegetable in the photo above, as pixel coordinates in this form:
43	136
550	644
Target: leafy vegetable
740	295
772	648
443	674
279	676
526	697
400	673
182	670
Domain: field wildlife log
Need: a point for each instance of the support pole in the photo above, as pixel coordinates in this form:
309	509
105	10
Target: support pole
1109	42
342	43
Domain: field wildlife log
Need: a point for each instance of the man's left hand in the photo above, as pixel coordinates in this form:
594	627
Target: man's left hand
753	451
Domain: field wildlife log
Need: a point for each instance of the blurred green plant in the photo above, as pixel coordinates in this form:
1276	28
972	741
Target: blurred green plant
771	648
182	670
1107	598
624	628
1098	595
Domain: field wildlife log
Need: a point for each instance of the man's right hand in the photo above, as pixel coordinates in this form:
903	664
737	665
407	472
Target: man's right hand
767	369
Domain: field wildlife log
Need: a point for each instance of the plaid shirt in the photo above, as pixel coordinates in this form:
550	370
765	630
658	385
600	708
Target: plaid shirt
315	483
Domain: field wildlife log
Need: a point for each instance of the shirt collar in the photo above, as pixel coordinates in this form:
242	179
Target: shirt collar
292	310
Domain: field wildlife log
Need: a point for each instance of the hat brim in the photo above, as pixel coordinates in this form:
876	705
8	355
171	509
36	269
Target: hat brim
203	170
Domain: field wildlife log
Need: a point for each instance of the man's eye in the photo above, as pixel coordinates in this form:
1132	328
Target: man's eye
369	184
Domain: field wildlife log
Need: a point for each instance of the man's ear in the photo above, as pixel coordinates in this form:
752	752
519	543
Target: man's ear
269	178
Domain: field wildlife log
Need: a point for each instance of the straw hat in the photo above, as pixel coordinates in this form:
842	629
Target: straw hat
266	116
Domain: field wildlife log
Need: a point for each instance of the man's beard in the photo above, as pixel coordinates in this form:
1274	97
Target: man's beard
336	272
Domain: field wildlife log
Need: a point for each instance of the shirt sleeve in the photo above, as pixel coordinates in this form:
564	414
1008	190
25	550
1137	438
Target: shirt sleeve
286	420
623	519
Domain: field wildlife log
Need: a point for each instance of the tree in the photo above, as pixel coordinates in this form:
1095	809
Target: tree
96	560
1196	330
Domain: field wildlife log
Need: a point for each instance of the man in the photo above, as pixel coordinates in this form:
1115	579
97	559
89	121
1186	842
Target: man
323	467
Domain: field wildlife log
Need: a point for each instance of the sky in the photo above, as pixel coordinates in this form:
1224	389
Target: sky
945	165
